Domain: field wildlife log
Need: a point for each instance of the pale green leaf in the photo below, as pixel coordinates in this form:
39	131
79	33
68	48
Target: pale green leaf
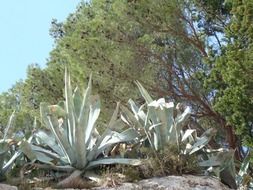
144	93
106	161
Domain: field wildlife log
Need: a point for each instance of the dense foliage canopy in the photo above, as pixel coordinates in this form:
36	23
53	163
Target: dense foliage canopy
198	52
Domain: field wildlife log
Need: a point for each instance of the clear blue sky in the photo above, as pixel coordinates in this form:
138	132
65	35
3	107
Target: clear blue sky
24	35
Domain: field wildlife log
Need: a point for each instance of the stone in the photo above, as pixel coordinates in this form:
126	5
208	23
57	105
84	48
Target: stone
7	187
185	182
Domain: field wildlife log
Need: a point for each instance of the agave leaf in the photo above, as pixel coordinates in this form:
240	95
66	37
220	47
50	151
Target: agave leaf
128	135
50	141
67	168
188	133
154	126
106	161
93	116
153	135
221	159
131	118
11	161
124	119
114	137
3	151
182	118
199	145
43	158
165	137
10	122
45	151
211	162
172	132
203	140
26	148
167	131
134	108
94	153
68	150
114	117
114	122
83	117
77	99
208	150
161	103
138	112
243	169
80	133
144	93
59	136
37	153
69	106
141	113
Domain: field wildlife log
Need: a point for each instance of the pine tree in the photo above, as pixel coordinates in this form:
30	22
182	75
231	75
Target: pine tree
232	75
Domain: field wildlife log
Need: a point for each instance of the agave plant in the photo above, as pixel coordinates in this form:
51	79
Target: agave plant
72	141
8	154
163	123
243	178
222	162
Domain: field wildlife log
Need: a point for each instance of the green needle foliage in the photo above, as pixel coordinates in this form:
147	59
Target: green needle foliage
232	74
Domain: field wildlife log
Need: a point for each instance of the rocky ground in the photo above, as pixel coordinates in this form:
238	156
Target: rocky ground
184	182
